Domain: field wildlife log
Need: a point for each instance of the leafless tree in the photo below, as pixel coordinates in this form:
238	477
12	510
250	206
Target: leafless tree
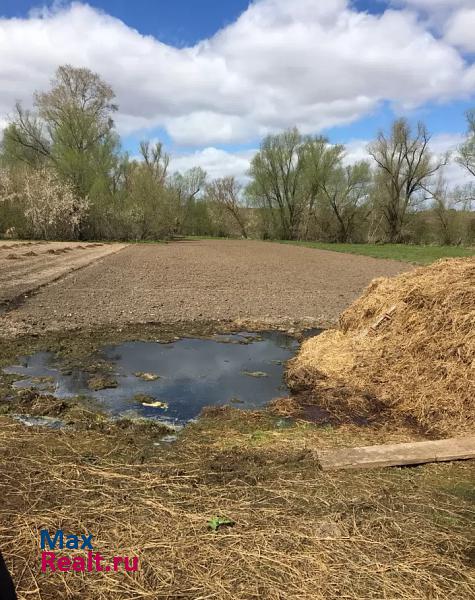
226	193
155	160
404	165
466	155
185	188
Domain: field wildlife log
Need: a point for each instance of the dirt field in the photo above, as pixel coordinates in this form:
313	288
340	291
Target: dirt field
26	266
184	281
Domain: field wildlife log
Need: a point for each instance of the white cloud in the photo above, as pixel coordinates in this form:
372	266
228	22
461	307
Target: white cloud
313	64
453	19
3	124
453	172
435	10
434	5
356	150
217	163
205	127
461	29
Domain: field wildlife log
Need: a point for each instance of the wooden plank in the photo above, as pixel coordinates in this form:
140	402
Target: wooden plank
391	455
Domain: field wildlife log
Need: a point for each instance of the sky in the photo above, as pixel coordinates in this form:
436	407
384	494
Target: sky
210	78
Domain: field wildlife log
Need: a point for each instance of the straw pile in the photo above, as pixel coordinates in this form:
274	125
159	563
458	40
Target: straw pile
408	345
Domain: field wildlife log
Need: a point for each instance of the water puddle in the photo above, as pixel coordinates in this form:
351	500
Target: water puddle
172	382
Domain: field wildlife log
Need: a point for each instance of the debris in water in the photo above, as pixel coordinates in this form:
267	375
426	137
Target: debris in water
155	404
147	376
101	383
143	399
255	373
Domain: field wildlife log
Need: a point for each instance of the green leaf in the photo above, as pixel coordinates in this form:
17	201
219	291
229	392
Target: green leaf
216	522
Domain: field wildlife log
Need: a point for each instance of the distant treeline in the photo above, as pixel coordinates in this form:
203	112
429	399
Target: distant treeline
63	176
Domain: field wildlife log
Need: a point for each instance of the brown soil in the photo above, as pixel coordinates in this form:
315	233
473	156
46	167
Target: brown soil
250	281
26	266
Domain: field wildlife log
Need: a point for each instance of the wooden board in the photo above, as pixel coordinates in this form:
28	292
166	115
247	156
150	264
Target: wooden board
390	455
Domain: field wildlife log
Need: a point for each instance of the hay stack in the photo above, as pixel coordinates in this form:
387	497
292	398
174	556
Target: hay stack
408	342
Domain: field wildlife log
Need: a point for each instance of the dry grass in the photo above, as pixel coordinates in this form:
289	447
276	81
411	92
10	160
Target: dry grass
299	534
418	362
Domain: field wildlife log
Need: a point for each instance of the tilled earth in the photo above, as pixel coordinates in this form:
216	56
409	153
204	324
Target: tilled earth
26	266
248	281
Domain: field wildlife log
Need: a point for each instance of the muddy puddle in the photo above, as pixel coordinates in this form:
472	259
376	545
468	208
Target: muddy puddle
171	382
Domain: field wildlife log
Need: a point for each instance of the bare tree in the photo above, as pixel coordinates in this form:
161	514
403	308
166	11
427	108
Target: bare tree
444	203
466	155
185	188
226	193
405	164
156	161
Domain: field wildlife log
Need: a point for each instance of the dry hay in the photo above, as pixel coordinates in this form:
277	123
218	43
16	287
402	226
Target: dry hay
300	534
284	407
408	343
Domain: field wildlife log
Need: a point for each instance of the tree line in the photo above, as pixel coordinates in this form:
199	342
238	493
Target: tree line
63	175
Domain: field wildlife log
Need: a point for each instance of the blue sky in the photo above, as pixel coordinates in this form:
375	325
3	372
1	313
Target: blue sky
179	22
211	78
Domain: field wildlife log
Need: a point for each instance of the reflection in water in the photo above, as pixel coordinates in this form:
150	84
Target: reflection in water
193	373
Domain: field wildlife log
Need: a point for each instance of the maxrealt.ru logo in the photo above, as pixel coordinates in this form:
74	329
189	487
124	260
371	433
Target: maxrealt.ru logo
80	563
